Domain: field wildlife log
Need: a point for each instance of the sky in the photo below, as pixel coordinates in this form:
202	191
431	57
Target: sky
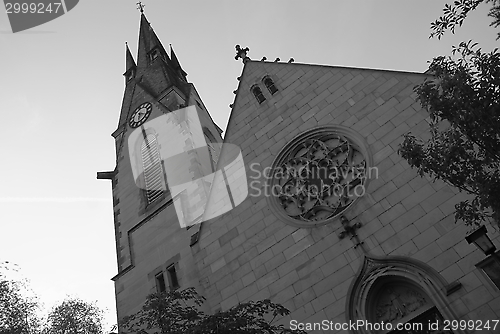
61	88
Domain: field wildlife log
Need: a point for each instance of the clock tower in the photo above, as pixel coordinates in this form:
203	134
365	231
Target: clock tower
154	252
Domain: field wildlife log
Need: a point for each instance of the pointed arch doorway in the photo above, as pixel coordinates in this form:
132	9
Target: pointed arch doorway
398	295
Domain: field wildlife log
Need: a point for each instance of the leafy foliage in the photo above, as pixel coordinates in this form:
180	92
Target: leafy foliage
170	312
74	315
465	94
455	14
178	312
17	307
247	318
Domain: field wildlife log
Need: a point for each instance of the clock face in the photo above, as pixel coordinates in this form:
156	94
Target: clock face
140	115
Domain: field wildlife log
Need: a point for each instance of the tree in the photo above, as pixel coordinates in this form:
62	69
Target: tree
74	316
251	317
170	312
455	14
178	312
18	307
464	95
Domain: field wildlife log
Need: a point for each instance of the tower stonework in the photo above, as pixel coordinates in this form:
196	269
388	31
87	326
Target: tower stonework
379	246
153	250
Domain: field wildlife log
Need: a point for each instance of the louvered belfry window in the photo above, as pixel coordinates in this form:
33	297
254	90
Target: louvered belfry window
153	171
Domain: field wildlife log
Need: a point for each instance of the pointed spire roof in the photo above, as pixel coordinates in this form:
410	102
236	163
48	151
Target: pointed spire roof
175	62
147	42
129	60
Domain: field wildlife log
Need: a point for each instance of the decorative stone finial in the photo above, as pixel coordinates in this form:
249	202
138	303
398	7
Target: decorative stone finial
141	6
241	53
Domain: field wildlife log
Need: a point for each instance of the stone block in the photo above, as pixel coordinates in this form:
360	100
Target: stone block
408	218
284	282
367	80
444	259
477	297
429	219
384	191
391	214
248	279
267	279
247	292
426	237
297	247
415	198
307	281
386	85
292	264
428	253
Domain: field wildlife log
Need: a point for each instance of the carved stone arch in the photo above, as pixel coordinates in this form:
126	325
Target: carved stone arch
396	271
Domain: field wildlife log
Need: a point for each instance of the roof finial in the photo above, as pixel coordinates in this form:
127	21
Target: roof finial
141	6
241	53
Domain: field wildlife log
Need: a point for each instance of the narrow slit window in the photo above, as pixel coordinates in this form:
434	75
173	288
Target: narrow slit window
130	75
172	277
257	92
160	283
211	144
153	171
154	54
270	85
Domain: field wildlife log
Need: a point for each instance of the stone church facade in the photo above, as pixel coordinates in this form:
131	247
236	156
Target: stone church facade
379	246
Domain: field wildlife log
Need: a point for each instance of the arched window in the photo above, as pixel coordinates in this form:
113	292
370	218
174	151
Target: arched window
270	85
257	92
153	170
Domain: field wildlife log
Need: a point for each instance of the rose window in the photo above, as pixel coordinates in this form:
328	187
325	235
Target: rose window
319	175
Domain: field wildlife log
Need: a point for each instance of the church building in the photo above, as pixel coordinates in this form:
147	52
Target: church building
330	221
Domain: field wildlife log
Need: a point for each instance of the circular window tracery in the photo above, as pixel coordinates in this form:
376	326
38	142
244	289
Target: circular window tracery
319	175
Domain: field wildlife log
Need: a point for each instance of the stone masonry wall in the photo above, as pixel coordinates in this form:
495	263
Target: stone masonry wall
249	254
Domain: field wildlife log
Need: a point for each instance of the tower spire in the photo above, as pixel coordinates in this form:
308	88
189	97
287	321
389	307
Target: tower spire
148	41
129	59
176	64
